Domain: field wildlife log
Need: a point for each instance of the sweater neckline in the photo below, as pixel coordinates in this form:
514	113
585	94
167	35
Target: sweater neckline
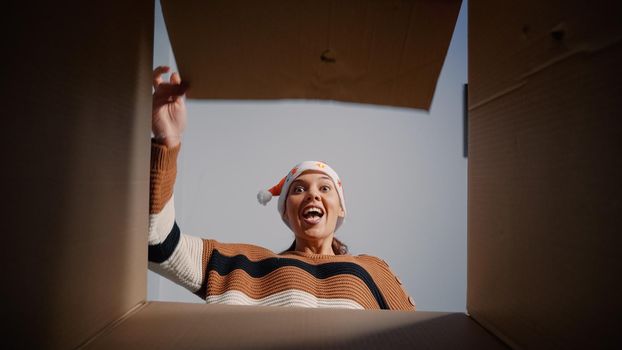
317	256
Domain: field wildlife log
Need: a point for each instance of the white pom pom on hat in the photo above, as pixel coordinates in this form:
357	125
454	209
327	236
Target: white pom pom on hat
264	196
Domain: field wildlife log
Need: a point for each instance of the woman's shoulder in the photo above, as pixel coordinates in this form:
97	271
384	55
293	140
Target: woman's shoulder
388	280
376	264
372	259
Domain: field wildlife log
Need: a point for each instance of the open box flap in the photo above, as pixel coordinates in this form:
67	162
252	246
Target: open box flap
378	52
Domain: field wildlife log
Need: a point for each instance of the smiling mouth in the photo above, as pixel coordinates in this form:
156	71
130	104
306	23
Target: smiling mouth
312	215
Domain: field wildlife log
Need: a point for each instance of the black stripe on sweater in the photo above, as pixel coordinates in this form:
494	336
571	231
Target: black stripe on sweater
159	253
225	264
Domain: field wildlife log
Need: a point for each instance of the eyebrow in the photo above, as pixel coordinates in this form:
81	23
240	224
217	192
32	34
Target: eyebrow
323	178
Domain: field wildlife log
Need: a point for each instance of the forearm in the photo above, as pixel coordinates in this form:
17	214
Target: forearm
162	175
171	253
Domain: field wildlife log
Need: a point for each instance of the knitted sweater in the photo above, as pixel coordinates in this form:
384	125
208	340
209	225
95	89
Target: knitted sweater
246	274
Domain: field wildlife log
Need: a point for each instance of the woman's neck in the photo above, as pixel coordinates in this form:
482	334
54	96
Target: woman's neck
324	247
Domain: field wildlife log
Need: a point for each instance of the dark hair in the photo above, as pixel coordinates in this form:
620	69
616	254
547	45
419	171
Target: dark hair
339	248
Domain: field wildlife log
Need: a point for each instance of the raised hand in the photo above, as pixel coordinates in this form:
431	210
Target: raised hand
168	116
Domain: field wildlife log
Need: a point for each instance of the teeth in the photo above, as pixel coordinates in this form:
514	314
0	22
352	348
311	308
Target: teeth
312	210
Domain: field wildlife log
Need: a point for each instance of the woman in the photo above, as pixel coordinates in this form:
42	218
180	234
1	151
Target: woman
315	272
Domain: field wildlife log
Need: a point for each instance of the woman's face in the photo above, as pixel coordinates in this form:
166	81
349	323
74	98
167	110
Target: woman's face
312	206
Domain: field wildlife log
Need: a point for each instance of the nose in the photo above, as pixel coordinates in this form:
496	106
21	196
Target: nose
313	194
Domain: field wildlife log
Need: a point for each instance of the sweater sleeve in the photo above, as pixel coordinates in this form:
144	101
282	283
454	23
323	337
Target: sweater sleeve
172	254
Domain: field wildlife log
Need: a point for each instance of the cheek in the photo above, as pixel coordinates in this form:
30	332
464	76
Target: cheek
290	208
335	205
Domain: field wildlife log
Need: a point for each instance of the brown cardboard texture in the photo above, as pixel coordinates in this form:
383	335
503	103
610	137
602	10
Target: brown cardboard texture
544	172
379	52
75	177
192	326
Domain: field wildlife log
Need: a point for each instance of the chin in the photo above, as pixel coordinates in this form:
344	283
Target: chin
315	233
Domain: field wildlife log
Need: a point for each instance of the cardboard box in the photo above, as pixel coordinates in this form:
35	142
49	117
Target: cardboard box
75	184
379	52
544	191
544	172
192	326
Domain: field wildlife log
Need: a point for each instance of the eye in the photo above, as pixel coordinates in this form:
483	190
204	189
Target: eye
298	189
325	188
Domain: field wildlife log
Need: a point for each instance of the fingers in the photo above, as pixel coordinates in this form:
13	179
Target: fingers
157	75
166	89
167	93
175	78
181	86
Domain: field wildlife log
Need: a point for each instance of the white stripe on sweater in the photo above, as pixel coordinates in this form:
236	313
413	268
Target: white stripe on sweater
184	266
160	224
291	297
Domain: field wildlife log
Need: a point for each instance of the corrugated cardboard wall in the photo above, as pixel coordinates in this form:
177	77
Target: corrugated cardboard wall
165	325
75	130
545	194
376	51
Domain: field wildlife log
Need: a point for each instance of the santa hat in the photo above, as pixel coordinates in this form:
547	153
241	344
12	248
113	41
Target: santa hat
265	196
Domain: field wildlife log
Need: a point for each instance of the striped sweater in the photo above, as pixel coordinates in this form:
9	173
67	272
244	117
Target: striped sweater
246	274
